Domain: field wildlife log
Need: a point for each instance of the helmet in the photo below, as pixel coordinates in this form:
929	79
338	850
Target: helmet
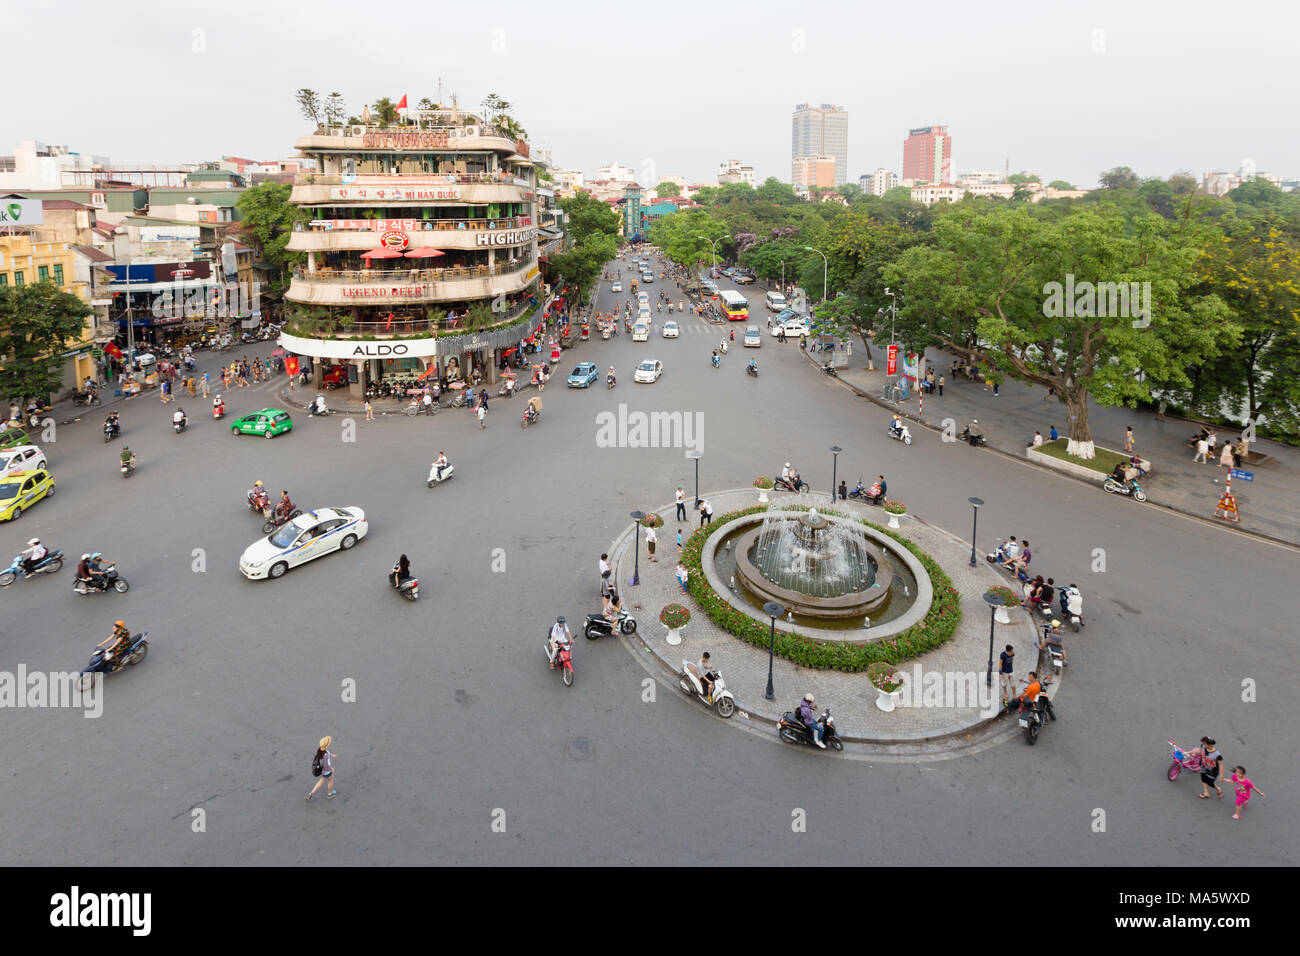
810	698
257	484
34	541
787	464
1056	624
975	421
97	554
120	623
560	619
85	557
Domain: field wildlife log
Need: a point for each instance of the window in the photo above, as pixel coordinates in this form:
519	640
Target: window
18	278
4	278
58	274
42	273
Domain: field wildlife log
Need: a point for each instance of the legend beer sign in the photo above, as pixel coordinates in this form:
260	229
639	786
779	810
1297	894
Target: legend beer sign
516	238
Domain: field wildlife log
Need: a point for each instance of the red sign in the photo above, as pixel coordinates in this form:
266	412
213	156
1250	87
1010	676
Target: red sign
892	367
395	240
291	365
405	140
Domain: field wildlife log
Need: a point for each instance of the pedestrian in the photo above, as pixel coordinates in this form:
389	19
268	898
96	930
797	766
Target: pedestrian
1007	674
682	576
1160	411
205	384
651	539
681	504
1225	457
1201	450
225	379
1038	440
605	571
370	412
1128	439
1238	450
706	512
1051	394
996	385
1210	441
679	538
1245	789
1211	768
941	385
1052	435
481	412
780	335
163	388
322	766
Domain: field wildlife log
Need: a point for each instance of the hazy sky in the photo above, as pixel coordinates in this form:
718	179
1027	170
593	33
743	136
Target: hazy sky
1063	89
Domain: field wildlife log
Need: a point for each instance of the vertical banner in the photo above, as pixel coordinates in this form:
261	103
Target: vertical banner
891	367
291	365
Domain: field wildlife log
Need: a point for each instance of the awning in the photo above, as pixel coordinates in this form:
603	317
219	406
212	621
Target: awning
381	254
424	252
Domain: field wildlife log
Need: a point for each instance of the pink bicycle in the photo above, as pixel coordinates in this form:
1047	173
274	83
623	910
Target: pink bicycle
1184	760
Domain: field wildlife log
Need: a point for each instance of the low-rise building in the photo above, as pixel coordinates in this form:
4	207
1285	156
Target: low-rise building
735	171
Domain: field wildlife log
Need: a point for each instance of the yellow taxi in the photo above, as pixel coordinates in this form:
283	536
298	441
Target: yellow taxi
21	490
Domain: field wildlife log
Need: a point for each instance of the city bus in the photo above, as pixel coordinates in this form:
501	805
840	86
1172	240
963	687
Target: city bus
734	305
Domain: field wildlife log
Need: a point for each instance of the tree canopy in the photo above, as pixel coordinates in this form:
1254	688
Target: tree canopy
37	322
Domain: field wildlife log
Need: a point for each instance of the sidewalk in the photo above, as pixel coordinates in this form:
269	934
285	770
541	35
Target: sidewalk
851	697
1268	505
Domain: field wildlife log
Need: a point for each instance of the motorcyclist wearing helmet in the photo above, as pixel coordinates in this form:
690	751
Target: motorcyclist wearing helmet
258	496
560	635
112	422
752	366
809	717
178	417
33	554
218	407
609	377
1053	637
96	566
117	642
128	457
85	574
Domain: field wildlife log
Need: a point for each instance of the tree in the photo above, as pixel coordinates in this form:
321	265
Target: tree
1023	178
859	248
426	104
493	105
1021	193
1119	177
1083	304
580	267
385	111
587	216
668	188
706	195
267	219
36	324
309	105
850	191
777	192
1059	184
1260	196
335	111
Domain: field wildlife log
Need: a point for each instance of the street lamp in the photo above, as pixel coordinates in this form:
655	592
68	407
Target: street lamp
713	244
975	523
826	263
636	566
835	460
773	610
994	602
695	453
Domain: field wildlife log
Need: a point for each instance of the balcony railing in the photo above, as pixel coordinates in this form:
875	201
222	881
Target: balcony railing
409	276
415	225
406	324
395	179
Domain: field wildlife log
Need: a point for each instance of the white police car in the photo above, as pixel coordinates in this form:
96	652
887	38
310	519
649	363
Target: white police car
305	538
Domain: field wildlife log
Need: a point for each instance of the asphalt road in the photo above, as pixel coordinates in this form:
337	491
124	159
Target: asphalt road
456	714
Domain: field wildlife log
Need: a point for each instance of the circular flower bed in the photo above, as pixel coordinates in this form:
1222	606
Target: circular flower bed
1008	597
674	616
884	677
938	626
652	520
764	483
895	508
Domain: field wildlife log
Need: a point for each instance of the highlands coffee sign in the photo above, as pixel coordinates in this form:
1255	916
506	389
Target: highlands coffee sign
518	237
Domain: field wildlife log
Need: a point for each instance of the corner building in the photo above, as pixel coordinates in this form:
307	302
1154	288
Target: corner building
421	250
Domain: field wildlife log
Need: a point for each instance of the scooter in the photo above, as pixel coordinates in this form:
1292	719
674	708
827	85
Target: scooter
409	589
218	411
1184	760
609	382
793	730
1055	652
135	653
49	564
723	347
1033	717
751	370
597	626
860	491
1133	489
261	504
902	435
563	657
128	469
793	483
90	397
112	581
723	702
530	417
275	519
1072	606
434	478
716	363
111	431
830	370
179	426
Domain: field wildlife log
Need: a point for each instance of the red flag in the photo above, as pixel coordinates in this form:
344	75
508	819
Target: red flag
113	350
291	365
390	322
402	104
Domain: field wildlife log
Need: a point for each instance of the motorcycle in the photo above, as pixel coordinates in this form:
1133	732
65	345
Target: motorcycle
409	589
49	564
111	431
1033	717
973	440
1055	652
128	469
260	504
135	653
751	370
434	478
218	411
1184	760
723	702
793	730
722	348
530	417
902	435
830	370
179	426
563	657
1072	606
597	626
111	581
793	483
90	397
277	518
860	491
1133	489
609	381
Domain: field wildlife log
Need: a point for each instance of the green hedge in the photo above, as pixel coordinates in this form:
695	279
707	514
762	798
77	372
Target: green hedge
938	626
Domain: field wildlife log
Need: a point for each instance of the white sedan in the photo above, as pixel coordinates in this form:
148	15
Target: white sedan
303	539
794	328
616	287
648	371
670	330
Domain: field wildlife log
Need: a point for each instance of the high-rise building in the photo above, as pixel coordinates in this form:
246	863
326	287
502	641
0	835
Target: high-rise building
819	131
879	182
814	171
927	155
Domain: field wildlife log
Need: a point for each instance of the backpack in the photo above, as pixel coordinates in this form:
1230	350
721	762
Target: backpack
315	766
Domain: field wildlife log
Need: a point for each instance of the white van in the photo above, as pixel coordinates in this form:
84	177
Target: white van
776	302
643	315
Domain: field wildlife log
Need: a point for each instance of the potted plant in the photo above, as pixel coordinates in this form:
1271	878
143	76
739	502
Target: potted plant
1005	598
895	510
887	681
652	520
764	485
674	617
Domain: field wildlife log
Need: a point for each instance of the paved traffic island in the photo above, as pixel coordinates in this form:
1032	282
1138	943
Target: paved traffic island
940	643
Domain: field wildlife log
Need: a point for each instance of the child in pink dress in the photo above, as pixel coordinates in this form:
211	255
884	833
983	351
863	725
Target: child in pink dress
1245	789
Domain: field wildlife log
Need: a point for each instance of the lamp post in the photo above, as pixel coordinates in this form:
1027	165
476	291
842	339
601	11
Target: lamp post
713	244
636	565
975	523
695	453
773	610
826	264
835	460
994	602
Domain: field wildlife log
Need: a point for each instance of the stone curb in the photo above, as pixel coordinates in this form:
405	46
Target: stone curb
620	548
1211	522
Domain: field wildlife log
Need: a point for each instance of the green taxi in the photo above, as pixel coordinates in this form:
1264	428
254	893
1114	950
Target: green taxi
21	490
268	423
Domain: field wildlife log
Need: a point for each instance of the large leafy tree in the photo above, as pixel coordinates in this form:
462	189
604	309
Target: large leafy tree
266	219
580	267
37	322
777	192
385	111
668	188
587	215
1008	287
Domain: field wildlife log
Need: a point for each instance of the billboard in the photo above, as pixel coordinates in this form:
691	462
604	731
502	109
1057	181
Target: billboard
144	272
168	234
22	212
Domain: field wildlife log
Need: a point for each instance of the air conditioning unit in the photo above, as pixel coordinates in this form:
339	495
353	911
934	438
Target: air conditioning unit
358	131
471	130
